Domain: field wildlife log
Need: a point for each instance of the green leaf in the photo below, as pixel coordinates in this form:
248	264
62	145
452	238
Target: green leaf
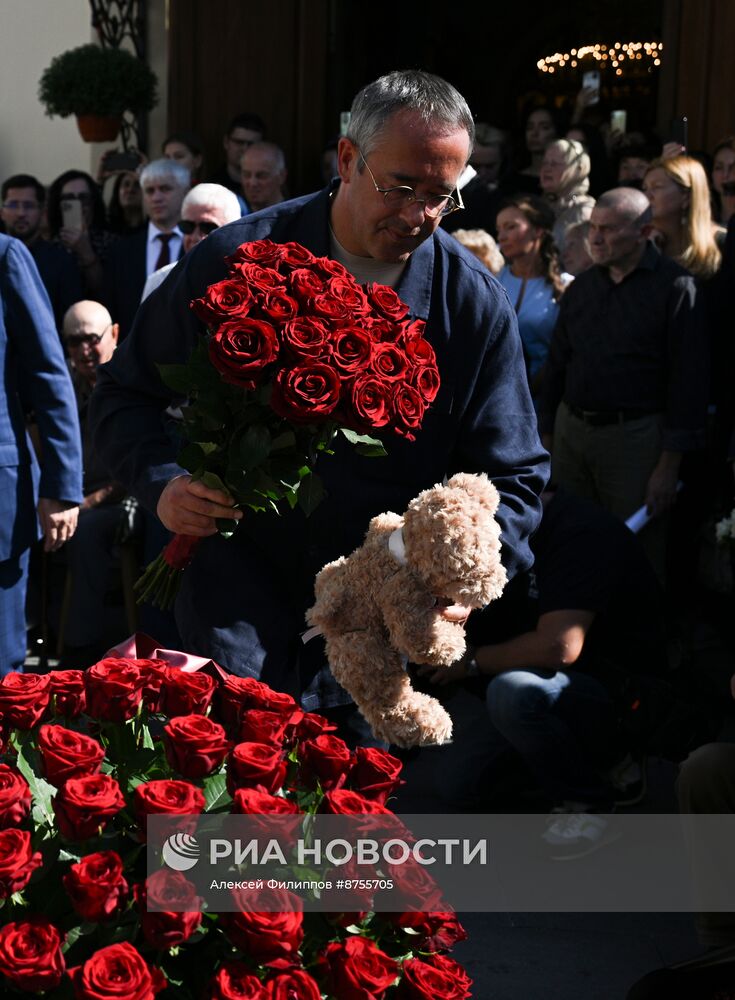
176	377
226	526
215	793
212	480
255	446
285	440
311	493
41	791
364	444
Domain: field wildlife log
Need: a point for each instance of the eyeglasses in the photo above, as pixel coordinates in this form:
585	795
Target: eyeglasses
26	206
90	339
402	196
205	228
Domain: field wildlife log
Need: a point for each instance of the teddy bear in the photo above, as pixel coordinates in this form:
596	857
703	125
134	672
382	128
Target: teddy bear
393	600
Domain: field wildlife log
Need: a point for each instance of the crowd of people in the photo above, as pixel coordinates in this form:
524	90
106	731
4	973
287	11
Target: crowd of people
613	259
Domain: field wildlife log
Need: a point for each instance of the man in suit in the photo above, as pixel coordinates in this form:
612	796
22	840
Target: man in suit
132	259
35	378
243	600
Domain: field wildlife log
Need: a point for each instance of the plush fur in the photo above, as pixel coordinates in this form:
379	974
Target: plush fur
376	613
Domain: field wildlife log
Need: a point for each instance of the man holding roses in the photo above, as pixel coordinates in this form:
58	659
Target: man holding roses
242	601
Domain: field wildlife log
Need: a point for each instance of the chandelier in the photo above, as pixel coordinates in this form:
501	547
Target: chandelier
620	57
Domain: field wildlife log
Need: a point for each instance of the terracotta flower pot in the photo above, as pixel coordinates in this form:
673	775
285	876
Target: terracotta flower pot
98	128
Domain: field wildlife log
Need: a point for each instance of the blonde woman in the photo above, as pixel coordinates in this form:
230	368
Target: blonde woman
483	246
681	210
564	177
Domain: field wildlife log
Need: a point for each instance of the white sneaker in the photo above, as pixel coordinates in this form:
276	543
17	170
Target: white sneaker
573	833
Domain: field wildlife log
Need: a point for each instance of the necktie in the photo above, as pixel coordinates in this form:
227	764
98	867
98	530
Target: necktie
164	256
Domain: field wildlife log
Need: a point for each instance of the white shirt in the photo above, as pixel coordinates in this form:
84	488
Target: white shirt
153	247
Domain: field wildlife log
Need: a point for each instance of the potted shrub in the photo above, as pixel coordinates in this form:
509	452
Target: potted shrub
97	85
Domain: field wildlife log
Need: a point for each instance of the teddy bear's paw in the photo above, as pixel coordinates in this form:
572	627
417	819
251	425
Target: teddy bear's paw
417	721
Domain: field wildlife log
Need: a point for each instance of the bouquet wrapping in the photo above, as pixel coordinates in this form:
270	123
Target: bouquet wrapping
296	352
86	757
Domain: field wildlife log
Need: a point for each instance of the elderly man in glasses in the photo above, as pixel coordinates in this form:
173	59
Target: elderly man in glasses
243	600
205	208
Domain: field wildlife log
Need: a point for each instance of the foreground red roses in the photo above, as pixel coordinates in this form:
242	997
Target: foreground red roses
297	353
81	772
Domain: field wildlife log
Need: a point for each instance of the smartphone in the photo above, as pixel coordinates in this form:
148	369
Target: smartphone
71	213
591	80
344	122
618	121
122	161
679	131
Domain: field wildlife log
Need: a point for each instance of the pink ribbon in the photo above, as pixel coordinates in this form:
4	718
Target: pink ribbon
142	647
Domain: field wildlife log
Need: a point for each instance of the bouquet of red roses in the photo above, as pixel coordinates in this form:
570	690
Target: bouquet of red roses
87	757
296	353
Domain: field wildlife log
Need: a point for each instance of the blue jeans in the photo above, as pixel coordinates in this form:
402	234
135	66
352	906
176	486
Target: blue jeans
563	726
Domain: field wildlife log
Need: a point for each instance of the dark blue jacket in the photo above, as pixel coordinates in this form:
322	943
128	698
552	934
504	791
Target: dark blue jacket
35	377
243	601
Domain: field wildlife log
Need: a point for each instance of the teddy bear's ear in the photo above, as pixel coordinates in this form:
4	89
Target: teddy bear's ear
478	487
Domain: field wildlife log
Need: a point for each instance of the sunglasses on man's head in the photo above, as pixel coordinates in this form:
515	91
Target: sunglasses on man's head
205	228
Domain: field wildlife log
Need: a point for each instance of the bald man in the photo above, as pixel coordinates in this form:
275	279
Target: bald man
626	381
263	170
90	337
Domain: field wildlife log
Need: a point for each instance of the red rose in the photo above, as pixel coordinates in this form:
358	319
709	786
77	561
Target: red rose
376	773
420	352
256	802
384	330
389	362
357	969
153	671
15	797
438	978
167	928
67	691
296	984
312	724
240	349
235	981
238	693
437	931
184	693
65	754
352	349
347	290
114	689
306	393
372	401
224	300
259	279
253	765
305	283
18	861
326	759
426	382
167	797
82	805
269	937
306	337
279	306
414	888
195	745
385	300
344	802
23	698
96	886
260	726
325	304
408	411
295	255
114	972
264	252
330	268
410	329
30	955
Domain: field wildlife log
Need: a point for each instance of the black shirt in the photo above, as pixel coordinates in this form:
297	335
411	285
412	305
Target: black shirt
636	345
